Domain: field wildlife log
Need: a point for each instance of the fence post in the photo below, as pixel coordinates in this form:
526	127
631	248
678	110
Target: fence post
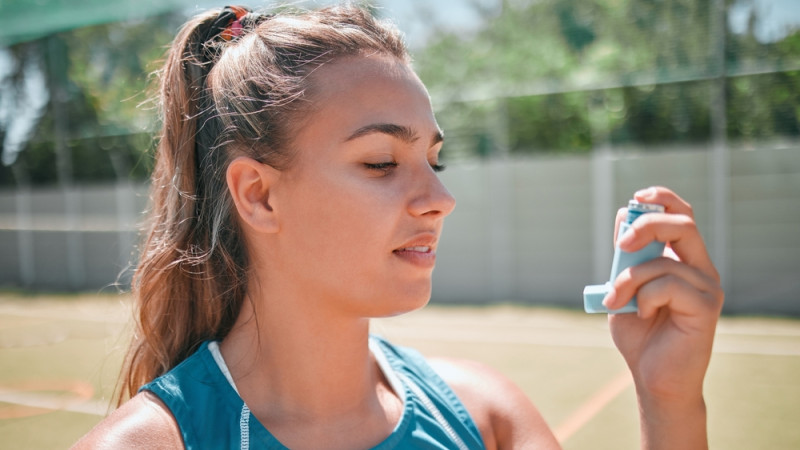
501	188
126	220
27	263
719	157
602	185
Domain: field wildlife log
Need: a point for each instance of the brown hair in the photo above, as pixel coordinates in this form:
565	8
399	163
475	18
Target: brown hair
219	99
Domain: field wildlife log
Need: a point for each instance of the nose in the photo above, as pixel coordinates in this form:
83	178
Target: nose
431	198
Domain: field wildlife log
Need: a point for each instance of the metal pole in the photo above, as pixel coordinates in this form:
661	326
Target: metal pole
75	257
503	283
603	211
126	215
27	266
719	159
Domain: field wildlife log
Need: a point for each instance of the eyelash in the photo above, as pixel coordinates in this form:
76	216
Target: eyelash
384	166
387	166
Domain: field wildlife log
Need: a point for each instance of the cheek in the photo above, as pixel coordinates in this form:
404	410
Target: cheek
342	215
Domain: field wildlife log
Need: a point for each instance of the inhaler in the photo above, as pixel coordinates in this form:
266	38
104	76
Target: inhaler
593	295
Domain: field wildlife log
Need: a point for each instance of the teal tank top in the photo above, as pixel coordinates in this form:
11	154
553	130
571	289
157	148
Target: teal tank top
211	415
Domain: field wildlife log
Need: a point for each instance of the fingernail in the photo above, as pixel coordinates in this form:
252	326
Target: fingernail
645	193
611	295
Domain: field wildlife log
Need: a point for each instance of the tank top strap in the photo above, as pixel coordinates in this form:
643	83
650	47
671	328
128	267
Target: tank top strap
434	399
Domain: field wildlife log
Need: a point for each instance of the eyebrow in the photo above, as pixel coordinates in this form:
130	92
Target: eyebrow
401	132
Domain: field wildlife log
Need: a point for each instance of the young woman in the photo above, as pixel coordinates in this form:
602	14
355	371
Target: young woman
295	196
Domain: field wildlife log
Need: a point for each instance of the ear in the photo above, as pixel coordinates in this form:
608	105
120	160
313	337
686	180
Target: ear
249	183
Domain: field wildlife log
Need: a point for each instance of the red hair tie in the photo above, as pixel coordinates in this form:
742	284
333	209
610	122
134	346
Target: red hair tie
234	29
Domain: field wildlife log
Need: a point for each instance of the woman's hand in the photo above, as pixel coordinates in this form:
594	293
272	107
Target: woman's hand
667	346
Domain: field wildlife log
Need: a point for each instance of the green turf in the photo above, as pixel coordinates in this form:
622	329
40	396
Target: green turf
559	358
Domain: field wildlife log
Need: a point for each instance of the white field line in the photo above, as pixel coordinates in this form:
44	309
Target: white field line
55	402
576	339
113	316
56	223
445	331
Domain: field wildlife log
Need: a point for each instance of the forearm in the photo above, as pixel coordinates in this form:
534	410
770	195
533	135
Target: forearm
670	424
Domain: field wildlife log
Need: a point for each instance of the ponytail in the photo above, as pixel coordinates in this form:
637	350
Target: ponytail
217	104
178	287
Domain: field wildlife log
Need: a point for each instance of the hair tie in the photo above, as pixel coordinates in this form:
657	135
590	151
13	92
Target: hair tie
227	25
234	27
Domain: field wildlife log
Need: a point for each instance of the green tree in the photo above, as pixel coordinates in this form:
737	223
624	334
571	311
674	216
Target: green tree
563	74
98	80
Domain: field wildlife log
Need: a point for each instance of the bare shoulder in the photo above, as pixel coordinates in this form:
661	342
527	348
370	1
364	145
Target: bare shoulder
503	412
142	422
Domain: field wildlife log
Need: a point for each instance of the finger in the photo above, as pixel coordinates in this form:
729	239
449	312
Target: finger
622	213
679	296
632	279
679	230
673	204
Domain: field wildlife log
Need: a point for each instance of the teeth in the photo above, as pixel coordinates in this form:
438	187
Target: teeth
417	249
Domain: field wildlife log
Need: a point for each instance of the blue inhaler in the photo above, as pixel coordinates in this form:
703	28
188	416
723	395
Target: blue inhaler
593	295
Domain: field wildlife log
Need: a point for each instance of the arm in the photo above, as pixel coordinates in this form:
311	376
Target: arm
667	345
142	422
502	411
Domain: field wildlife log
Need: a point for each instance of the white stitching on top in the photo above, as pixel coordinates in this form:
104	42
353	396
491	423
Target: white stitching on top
244	427
426	401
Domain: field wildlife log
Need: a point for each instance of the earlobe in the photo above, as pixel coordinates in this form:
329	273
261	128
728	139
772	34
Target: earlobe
250	183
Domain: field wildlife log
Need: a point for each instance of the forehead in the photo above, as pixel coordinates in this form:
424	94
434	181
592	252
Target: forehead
376	88
342	72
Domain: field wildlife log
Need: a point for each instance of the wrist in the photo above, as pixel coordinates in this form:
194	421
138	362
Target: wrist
669	422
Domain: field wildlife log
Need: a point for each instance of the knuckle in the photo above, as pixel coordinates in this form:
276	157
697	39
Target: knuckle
623	279
713	304
719	297
689	210
687	221
672	282
716	278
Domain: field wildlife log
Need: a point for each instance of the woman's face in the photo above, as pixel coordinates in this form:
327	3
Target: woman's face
361	206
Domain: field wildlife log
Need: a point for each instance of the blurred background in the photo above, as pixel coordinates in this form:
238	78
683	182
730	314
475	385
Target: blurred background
554	111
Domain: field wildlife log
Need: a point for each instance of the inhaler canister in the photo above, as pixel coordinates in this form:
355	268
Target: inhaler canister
593	295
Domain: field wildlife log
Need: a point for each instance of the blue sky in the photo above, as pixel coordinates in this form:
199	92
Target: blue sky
776	18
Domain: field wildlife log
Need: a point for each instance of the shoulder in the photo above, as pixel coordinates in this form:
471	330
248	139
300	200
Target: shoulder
502	411
125	427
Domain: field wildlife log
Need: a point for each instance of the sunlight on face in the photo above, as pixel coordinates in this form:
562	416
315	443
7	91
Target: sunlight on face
361	207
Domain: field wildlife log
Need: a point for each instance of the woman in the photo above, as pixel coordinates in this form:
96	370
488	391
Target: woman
295	196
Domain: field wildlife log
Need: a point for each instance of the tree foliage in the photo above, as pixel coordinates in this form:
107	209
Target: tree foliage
98	86
537	76
569	75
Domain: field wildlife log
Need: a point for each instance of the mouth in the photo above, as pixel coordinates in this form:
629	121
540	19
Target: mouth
416	248
419	252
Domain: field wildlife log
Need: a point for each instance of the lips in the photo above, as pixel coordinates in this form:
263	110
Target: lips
418	248
424	242
419	251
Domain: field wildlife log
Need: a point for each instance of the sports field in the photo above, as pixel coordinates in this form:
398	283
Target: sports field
59	356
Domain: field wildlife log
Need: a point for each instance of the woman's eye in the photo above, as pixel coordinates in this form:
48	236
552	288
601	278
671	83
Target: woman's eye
389	165
382	166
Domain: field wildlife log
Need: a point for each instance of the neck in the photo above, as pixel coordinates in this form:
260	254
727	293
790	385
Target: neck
292	360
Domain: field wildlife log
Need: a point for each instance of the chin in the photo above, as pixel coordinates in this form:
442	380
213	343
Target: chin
411	301
410	307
